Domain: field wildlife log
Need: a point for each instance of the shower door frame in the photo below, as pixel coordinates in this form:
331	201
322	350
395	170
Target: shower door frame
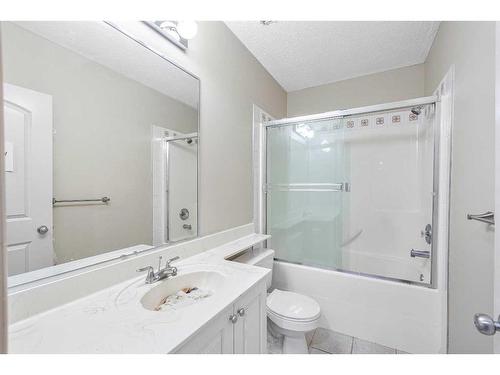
261	195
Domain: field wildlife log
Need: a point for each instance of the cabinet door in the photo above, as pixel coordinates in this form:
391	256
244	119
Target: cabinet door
250	331
215	338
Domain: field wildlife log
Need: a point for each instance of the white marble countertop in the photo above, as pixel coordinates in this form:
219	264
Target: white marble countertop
114	321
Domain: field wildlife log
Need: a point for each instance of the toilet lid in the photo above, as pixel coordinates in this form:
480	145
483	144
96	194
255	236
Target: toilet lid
292	305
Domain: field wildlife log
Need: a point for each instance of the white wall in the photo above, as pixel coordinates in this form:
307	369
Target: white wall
470	47
101	146
231	81
389	86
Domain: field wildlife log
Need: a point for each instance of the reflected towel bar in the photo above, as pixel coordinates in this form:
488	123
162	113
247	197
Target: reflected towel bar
487	217
103	200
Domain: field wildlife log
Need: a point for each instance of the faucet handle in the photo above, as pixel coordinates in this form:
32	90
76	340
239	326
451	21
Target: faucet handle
172	260
159	263
151	273
147	268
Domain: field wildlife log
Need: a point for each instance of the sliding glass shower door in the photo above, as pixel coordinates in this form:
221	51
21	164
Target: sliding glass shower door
305	179
354	193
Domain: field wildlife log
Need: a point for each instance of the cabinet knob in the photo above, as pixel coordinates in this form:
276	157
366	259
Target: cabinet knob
233	318
241	311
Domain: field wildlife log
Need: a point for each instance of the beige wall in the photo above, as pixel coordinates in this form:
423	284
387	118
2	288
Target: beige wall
231	81
389	86
470	47
101	146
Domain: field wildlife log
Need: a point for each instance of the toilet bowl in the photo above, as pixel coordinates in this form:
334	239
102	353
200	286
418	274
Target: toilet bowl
289	314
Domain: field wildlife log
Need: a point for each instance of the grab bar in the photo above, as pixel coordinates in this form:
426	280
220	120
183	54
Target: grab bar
420	253
103	200
487	217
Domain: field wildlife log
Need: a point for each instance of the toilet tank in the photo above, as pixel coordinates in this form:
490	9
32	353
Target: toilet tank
260	258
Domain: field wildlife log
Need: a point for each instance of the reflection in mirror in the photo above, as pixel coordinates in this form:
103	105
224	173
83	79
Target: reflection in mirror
101	144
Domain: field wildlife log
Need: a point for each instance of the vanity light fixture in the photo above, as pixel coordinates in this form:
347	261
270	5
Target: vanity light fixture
178	32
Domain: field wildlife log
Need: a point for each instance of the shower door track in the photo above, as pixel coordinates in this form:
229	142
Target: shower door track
354	111
427	100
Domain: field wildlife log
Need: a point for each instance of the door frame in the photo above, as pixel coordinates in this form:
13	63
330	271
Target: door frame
3	242
496	286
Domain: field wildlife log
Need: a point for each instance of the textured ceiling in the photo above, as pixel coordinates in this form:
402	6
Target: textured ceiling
301	54
101	43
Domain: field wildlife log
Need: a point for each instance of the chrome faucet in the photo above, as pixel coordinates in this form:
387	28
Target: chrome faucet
162	273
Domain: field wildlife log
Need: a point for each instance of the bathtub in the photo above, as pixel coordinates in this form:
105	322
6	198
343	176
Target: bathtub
398	315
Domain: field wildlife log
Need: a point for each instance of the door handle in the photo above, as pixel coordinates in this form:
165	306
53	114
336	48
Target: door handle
42	229
420	253
486	325
233	318
488	217
241	311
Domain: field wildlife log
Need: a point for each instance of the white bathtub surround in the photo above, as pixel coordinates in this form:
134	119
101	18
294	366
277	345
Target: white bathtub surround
114	320
42	295
392	314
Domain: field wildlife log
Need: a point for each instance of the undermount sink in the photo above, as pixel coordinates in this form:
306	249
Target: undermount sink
207	281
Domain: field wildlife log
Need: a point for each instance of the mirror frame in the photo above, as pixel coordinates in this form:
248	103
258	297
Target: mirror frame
45	275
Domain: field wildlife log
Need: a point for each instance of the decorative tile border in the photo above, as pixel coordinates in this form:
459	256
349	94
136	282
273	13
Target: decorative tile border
376	121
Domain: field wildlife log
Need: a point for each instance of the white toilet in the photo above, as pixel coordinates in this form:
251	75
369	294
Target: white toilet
290	314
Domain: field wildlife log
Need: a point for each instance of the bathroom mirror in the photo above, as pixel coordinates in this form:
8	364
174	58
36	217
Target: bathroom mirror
101	146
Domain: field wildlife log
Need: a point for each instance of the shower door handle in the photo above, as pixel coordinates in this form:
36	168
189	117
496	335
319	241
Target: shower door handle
420	253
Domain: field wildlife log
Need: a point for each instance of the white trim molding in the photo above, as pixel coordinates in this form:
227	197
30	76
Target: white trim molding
3	249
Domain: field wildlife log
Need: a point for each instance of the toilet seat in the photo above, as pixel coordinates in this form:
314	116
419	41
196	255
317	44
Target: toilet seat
292	311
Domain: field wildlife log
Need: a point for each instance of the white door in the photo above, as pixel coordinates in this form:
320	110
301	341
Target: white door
28	177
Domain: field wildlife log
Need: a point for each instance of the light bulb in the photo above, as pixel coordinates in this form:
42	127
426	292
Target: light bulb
187	29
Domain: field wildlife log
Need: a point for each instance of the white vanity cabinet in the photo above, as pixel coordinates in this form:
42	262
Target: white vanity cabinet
240	328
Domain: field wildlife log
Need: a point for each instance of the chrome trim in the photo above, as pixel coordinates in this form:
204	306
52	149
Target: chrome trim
361	274
355	111
435	199
487	217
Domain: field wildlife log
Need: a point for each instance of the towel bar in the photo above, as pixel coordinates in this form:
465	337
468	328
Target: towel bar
103	200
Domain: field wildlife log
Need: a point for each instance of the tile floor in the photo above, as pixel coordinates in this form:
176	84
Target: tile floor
324	341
